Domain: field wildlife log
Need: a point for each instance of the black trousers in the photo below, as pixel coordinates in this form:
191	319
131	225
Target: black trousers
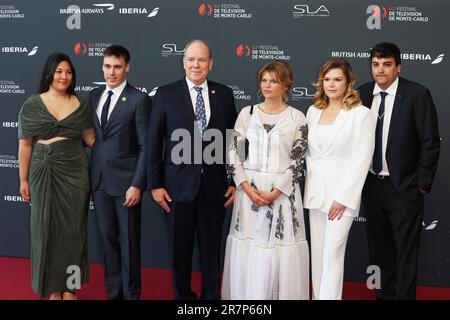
393	227
120	238
203	219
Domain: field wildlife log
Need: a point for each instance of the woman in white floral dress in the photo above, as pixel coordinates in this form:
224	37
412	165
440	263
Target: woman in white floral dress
267	253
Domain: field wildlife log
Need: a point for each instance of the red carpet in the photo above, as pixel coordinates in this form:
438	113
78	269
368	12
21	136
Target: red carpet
15	284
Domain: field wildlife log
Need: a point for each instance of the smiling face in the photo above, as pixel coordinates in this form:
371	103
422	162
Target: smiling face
271	88
385	71
197	63
115	70
335	84
62	77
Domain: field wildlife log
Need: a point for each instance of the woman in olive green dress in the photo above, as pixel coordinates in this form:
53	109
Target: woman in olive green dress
54	178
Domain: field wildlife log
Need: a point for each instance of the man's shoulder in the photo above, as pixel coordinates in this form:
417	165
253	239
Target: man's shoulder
171	86
412	86
96	90
136	92
368	86
212	85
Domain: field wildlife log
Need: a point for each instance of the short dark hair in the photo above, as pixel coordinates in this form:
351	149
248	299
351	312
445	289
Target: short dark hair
48	73
386	50
117	51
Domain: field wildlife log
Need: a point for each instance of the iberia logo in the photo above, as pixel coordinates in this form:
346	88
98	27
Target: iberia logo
205	9
243	50
80	48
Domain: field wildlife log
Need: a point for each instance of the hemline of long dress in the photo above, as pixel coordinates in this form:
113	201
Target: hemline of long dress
59	191
267	255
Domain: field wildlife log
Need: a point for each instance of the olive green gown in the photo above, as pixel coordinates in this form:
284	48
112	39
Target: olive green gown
59	189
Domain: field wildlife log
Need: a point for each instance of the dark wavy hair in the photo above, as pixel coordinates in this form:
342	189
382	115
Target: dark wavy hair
49	72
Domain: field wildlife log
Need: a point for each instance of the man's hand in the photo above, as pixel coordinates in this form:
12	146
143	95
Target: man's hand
161	197
132	197
230	193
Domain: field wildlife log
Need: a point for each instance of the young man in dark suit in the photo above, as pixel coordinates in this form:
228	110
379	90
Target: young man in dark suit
120	114
407	146
193	192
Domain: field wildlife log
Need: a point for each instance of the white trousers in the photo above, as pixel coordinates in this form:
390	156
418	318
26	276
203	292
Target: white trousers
328	243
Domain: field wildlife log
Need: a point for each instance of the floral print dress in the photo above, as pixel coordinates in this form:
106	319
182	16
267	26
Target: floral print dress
267	256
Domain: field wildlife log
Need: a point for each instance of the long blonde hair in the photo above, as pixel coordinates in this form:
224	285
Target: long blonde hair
351	98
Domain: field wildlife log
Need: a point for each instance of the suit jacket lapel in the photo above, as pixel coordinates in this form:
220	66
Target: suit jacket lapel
369	97
312	128
395	113
186	106
97	94
212	105
120	105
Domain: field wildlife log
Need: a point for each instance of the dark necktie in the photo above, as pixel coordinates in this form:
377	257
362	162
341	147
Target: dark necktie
378	153
104	118
200	110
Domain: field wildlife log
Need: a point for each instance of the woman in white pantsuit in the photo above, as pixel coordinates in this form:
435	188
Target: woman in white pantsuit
340	147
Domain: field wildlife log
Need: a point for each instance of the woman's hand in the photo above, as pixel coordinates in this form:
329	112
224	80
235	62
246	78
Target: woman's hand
269	196
336	211
25	191
254	196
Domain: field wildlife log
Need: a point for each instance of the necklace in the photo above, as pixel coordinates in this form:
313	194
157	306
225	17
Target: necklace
267	110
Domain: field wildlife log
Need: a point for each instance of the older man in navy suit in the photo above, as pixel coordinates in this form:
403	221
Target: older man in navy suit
194	193
120	114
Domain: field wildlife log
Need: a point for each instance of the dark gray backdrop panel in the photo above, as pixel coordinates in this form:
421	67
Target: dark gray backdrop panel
320	29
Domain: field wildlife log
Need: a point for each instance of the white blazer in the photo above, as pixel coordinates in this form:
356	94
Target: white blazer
337	172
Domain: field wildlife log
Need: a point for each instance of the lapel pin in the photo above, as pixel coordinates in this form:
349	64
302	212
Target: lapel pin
124	99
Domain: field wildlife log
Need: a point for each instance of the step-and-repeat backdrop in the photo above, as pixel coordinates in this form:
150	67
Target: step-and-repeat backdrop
244	35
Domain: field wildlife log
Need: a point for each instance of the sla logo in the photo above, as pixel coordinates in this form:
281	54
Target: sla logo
299	93
205	9
304	10
243	50
80	48
171	49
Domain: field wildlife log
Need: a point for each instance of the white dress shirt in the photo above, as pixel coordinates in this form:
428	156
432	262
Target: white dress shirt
388	106
205	95
324	134
117	91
